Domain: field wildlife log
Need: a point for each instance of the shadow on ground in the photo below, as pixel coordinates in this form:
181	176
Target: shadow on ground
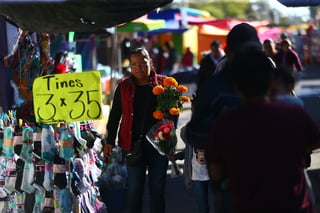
178	198
314	175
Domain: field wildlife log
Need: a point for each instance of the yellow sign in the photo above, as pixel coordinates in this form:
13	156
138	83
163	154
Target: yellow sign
67	97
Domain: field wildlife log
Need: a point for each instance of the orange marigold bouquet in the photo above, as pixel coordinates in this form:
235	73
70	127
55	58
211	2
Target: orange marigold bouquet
169	97
170	101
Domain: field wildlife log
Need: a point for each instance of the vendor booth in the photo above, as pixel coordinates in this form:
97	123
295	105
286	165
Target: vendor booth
50	149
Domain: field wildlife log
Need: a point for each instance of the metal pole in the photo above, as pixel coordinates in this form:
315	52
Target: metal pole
115	63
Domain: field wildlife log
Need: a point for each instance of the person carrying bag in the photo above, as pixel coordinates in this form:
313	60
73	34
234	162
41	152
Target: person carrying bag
130	118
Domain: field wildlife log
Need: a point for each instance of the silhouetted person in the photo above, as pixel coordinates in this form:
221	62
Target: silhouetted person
209	62
261	146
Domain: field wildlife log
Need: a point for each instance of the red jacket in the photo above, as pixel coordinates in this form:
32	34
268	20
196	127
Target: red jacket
127	91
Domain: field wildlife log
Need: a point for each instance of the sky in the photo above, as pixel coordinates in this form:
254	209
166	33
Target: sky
287	11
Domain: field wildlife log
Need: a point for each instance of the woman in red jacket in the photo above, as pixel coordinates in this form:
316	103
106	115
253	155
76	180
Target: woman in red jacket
132	109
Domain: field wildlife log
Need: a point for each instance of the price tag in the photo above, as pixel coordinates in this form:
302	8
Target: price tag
67	97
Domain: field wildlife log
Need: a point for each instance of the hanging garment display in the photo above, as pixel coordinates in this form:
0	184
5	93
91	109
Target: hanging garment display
39	172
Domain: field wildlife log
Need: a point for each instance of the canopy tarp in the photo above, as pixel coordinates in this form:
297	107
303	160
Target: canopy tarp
57	16
296	27
229	23
168	14
208	33
269	33
299	3
142	25
206	29
196	20
166	30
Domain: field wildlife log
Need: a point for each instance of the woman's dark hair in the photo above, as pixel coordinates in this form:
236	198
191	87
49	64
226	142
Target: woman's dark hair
215	43
285	42
268	41
140	50
252	72
143	51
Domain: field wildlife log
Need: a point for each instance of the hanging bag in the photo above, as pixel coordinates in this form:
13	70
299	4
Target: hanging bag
135	155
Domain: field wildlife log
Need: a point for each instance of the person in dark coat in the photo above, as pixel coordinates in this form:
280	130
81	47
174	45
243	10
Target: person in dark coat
214	97
171	57
209	62
288	57
268	179
187	59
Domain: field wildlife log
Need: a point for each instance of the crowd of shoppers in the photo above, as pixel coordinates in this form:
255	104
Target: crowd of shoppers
241	104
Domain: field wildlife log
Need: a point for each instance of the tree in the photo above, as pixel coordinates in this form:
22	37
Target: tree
224	8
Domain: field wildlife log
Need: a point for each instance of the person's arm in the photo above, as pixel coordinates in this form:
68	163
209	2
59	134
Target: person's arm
177	156
113	123
197	129
214	154
297	62
216	171
204	71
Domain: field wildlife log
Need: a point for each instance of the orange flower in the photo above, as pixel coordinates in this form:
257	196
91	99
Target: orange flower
169	81
158	115
185	99
157	90
174	111
182	88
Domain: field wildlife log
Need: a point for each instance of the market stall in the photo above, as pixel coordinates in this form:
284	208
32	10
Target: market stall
50	150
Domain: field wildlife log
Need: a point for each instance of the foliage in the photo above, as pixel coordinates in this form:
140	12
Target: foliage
223	8
247	9
169	98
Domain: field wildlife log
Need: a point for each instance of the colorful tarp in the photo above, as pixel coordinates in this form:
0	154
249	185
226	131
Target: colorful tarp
229	23
193	20
269	33
142	25
206	29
